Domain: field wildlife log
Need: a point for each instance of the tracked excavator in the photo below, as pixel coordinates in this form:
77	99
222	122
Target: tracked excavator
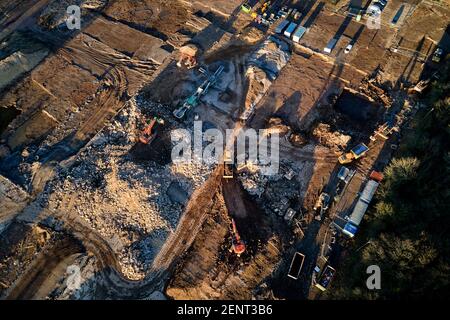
237	244
150	130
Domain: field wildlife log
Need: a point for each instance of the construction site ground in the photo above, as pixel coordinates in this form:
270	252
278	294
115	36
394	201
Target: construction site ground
81	191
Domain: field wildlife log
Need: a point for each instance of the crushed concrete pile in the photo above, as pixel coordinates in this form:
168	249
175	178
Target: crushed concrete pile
331	139
133	204
263	67
271	56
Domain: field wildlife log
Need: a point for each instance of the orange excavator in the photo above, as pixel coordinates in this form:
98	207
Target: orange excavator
149	132
237	244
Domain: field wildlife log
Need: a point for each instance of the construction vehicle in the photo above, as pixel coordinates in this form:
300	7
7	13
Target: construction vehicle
237	244
150	131
354	154
246	8
265	6
383	131
423	84
345	174
325	278
323	202
290	213
437	55
188	56
194	99
296	265
227	165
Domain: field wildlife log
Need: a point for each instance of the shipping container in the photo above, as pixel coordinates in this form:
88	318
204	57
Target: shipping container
330	45
369	191
290	29
298	34
279	29
296	265
351	227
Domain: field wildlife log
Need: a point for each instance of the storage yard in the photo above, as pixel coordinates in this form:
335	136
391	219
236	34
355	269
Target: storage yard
89	120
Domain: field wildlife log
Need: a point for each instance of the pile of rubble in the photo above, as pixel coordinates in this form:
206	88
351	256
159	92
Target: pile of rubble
264	66
132	204
276	193
331	139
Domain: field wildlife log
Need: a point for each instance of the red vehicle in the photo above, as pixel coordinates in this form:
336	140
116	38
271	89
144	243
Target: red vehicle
150	131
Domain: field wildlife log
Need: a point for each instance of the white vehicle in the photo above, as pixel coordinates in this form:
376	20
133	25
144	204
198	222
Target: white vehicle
348	48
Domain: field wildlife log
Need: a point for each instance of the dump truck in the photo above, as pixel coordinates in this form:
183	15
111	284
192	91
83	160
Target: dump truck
354	154
437	55
296	265
325	278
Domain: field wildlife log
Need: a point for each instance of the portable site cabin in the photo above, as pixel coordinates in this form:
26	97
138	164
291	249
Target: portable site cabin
330	45
290	29
369	191
351	227
283	24
298	34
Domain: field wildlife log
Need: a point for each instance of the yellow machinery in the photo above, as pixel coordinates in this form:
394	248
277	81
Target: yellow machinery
227	165
355	153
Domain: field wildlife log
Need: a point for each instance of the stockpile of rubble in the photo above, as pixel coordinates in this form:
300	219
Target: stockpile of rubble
133	204
329	138
275	193
264	66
